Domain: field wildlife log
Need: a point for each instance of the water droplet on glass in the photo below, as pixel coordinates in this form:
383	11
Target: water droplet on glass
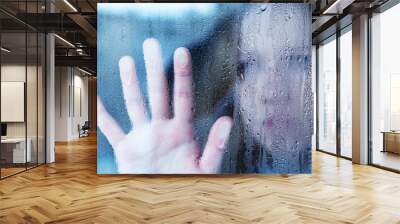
263	8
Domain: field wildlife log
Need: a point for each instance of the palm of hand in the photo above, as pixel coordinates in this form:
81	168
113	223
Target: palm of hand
157	148
162	144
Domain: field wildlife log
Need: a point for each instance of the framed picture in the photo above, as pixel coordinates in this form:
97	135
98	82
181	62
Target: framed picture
204	88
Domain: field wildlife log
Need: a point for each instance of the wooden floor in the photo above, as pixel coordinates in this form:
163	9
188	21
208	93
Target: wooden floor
5	172
387	159
70	191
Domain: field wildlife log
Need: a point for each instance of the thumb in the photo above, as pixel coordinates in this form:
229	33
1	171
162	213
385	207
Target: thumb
218	137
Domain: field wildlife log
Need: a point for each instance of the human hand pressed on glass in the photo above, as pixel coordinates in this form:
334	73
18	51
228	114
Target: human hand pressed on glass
162	144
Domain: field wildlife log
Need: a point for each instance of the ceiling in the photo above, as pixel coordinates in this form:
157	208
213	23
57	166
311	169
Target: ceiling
75	22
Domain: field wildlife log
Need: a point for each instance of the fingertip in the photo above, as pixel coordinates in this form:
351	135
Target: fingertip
125	60
151	45
216	143
101	112
181	53
224	127
182	61
100	106
226	120
153	56
126	67
150	40
225	123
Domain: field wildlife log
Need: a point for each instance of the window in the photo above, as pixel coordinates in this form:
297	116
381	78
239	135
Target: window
22	78
327	96
346	93
385	89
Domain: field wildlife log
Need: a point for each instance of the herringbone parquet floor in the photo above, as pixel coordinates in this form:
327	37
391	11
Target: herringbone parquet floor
70	191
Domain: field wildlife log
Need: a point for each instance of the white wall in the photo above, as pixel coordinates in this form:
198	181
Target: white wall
33	127
80	103
17	73
71	102
62	81
13	73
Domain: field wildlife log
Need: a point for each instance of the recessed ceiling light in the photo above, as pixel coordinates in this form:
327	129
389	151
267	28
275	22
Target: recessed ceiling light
70	5
338	6
5	50
84	71
65	41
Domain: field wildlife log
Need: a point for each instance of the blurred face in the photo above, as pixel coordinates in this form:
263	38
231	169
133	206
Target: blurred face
273	66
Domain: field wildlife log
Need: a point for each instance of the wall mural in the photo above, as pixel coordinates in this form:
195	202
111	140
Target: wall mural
204	88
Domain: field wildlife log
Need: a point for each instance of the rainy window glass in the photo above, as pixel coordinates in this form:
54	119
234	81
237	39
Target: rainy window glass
204	88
